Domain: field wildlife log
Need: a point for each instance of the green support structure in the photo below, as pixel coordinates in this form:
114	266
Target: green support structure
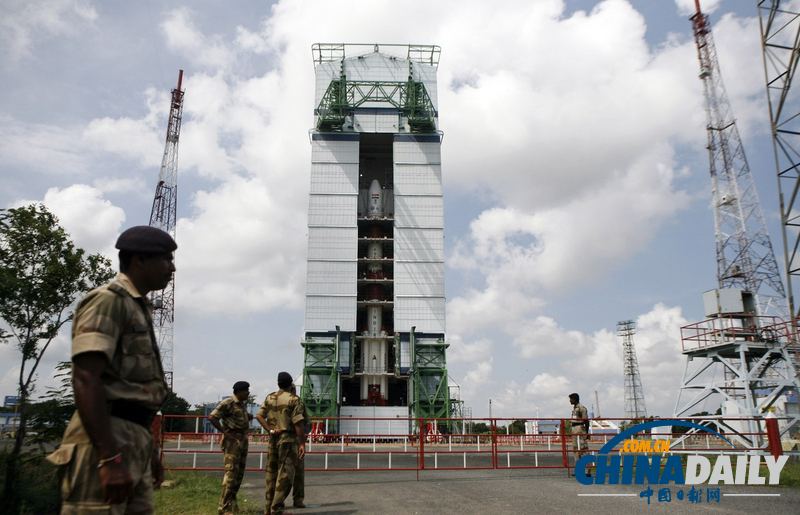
431	395
342	97
320	376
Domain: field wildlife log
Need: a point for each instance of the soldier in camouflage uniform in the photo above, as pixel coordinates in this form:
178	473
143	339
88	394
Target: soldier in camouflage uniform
580	428
299	483
282	415
107	460
232	420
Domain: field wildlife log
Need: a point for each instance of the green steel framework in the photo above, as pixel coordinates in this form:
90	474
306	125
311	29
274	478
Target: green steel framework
342	98
321	360
431	395
428	376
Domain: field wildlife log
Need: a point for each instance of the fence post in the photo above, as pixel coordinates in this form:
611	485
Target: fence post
421	444
564	456
774	437
494	443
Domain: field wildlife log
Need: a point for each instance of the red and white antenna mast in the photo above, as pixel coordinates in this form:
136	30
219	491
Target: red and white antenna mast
745	259
164	216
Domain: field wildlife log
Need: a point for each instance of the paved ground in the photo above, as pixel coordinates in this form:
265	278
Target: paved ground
500	491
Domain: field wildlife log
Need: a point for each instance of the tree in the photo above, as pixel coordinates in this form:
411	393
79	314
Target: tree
175	405
41	276
49	417
480	428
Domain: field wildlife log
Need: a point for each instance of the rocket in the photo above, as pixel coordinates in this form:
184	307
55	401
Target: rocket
374	350
375	199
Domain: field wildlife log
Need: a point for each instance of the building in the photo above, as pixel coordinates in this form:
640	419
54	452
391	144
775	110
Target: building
374	342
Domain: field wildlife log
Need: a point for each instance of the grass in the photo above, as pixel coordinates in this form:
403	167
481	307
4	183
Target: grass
790	475
195	493
188	493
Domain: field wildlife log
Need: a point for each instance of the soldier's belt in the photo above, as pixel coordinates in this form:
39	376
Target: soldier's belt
237	431
132	412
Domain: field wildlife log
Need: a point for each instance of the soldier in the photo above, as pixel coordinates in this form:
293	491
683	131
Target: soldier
580	428
284	421
299	483
107	460
232	420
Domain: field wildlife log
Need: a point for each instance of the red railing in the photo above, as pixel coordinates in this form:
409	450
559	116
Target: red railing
422	446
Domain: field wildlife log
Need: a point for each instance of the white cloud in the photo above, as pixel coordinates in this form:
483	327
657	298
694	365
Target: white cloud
23	24
475	352
92	222
140	140
234	256
186	39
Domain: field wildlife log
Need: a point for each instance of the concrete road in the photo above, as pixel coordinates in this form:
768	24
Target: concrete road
501	491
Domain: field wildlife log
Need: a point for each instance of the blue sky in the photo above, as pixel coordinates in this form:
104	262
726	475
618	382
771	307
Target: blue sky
575	174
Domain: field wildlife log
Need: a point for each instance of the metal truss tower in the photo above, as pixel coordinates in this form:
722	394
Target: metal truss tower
741	358
634	393
164	216
745	259
780	42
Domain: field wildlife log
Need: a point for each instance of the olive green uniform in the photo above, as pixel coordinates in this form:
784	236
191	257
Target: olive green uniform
115	321
232	414
579	443
282	410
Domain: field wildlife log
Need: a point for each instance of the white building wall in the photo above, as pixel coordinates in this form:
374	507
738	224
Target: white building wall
332	234
417	206
419	235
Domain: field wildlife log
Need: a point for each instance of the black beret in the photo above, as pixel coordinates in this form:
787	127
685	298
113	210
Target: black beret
574	396
240	385
146	239
284	377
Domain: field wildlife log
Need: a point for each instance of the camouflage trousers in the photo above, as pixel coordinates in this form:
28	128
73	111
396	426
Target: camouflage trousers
281	460
580	445
77	459
299	483
235	448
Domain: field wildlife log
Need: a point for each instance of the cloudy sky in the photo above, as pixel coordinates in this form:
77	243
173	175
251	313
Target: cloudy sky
575	174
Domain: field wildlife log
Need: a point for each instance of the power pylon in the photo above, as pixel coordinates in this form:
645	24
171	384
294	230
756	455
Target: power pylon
164	215
634	393
745	259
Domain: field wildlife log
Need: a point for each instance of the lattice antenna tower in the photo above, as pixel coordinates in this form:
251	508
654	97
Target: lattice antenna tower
634	393
780	42
745	259
164	216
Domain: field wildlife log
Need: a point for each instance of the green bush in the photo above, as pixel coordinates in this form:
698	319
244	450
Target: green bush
36	483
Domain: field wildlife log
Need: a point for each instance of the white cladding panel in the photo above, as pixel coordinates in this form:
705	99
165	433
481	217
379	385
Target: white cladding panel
376	66
334	178
418	244
325	73
419	211
333	243
334	151
418	152
376	120
418	179
331	278
332	210
426	313
419	279
325	313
